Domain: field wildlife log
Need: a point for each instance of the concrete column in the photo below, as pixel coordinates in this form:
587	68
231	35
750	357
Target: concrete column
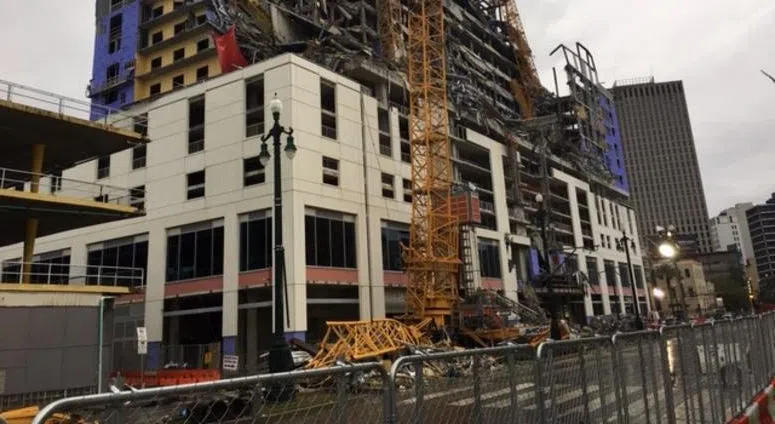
251	337
31	224
603	286
295	263
372	293
230	321
154	293
78	262
509	278
619	288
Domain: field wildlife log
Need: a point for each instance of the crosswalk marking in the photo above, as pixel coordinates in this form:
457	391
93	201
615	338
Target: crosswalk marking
490	395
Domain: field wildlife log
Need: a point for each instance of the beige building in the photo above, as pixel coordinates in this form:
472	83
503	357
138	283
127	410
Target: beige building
683	288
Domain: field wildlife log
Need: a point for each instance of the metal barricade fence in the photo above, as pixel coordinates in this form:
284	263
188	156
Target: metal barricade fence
681	374
577	381
490	385
643	377
336	395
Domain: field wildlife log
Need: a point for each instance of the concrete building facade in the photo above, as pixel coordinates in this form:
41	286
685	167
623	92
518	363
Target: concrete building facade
205	241
665	181
687	293
761	223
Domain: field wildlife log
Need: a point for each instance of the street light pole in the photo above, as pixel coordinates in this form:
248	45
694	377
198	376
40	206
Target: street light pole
280	358
636	306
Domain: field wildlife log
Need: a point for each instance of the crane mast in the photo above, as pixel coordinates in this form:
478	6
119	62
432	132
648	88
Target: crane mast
431	258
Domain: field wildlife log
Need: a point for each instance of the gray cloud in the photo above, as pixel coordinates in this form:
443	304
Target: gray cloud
715	46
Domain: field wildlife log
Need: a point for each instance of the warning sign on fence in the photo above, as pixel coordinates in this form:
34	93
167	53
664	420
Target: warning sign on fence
230	362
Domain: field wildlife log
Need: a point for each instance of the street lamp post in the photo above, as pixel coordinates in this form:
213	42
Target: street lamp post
636	305
280	358
554	309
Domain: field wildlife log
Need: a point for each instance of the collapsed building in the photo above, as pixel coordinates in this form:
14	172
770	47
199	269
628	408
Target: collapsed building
166	59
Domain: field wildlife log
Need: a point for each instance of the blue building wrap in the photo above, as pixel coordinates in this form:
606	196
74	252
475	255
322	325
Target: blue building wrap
614	155
120	91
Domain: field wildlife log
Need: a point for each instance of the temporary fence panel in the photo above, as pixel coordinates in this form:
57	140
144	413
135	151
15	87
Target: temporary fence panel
578	382
643	377
338	395
689	374
490	385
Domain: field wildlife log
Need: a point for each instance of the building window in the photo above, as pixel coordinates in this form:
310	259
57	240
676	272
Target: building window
201	19
406	152
196	184
56	181
156	37
252	171
610	273
328	109
178	54
196	124
115	262
179	27
254	107
330	171
202	45
155	89
103	167
394	235
139	153
638	271
407	183
47	268
202	73
255	245
178	81
330	239
137	197
195	251
114	35
593	275
140	123
111	96
624	275
157	12
383	118
156	63
388	186
403	132
489	258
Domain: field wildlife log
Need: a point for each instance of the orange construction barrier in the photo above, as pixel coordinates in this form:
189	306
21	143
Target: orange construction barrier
167	377
760	411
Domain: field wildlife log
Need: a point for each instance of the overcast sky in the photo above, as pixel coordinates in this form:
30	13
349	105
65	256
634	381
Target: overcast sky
717	47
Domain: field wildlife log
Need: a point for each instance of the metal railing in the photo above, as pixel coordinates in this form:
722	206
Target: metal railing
66	106
245	399
64	273
55	185
681	374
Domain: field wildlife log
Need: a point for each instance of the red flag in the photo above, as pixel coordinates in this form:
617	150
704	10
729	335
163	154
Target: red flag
229	54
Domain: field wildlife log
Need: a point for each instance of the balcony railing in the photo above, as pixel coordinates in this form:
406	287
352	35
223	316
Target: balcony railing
114	81
14	179
66	274
65	106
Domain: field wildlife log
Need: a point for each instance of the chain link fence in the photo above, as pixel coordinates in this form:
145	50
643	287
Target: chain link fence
697	374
